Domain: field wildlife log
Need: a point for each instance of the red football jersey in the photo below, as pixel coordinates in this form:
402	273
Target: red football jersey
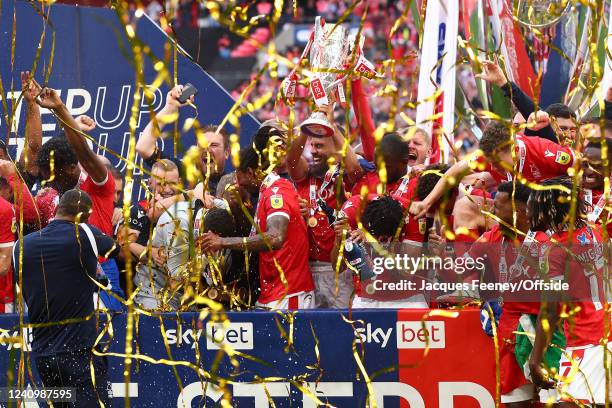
321	236
7	238
279	197
371	180
353	208
405	192
585	276
537	159
102	198
500	257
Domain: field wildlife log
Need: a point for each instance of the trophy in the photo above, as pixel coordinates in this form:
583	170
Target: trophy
327	56
329	47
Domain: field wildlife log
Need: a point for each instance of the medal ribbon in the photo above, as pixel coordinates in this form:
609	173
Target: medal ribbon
402	187
330	176
594	214
290	83
526	246
522	156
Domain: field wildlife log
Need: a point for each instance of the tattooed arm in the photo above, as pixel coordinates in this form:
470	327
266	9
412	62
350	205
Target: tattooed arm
270	240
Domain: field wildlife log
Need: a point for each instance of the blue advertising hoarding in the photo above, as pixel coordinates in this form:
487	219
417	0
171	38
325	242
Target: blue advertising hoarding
410	357
91	66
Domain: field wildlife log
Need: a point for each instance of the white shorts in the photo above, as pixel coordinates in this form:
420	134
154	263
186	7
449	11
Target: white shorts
525	393
413	302
328	294
583	374
294	301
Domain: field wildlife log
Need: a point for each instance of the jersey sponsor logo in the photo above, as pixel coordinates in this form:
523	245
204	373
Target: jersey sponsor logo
276	201
562	157
420	335
548	153
274	190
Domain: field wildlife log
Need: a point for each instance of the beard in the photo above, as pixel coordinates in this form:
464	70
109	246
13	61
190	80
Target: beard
319	169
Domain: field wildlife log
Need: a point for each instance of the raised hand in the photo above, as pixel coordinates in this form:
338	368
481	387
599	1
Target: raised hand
303	207
29	88
538	120
418	209
172	99
436	242
48	98
159	256
339	226
86	124
492	73
540	377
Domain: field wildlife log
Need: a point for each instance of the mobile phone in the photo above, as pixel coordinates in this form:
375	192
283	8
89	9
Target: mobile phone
188	91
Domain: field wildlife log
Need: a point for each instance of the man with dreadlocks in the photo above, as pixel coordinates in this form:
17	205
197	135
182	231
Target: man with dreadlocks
506	252
279	235
582	303
389	288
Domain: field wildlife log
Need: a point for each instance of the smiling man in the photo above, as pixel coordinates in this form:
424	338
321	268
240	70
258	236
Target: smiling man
534	158
317	186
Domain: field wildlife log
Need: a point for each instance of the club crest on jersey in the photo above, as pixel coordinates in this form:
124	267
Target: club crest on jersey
276	201
562	157
422	225
583	239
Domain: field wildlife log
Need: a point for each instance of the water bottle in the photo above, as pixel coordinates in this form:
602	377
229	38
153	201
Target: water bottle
355	255
329	212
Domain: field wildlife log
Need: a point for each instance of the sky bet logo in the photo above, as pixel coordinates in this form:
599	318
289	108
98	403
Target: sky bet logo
409	335
238	336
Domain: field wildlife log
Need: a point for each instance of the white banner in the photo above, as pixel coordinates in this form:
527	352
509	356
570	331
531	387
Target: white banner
439	43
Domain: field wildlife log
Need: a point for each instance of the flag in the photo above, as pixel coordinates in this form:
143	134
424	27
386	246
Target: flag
437	76
516	61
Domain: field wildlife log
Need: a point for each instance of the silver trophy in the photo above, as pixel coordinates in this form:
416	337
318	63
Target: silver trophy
327	56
